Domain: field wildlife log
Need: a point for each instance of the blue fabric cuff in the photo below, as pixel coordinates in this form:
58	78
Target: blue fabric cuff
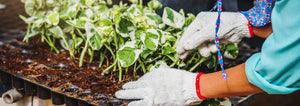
256	79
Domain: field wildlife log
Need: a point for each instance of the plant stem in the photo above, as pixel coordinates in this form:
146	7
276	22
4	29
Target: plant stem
143	66
138	67
134	71
28	31
190	61
120	71
178	66
121	40
111	66
116	41
195	66
153	59
70	50
173	64
126	69
91	53
102	58
80	34
141	2
51	44
74	41
110	50
83	53
113	55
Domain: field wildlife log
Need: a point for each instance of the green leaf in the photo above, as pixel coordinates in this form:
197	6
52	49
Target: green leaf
89	2
88	13
29	7
105	27
126	56
57	32
90	30
28	20
38	23
189	19
73	10
173	18
66	27
151	39
78	42
150	66
152	35
146	53
181	12
63	44
106	30
231	51
77	23
26	38
100	9
39	4
134	1
128	53
170	15
117	18
150	44
155	4
95	41
52	3
109	2
69	12
125	27
52	18
231	47
104	22
134	10
139	33
169	37
167	49
139	19
156	18
211	62
72	2
94	36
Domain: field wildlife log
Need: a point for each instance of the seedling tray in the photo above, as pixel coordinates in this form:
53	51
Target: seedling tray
33	69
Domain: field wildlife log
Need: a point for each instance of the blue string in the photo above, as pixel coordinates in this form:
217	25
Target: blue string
217	43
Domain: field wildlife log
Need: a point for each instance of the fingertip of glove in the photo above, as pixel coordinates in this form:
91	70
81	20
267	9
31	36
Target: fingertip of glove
205	52
130	85
179	49
212	48
189	45
183	56
119	94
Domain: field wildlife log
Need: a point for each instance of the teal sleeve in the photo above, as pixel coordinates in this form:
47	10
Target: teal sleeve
276	69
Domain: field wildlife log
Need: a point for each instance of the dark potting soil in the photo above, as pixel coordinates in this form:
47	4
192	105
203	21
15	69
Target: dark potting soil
37	62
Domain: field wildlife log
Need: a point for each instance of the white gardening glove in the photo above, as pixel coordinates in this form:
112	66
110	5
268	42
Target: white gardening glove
201	32
163	86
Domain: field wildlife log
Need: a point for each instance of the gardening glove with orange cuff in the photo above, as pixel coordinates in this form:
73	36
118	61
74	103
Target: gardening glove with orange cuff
163	86
201	32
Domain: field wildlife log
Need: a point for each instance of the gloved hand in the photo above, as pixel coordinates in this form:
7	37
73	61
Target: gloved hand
162	86
201	32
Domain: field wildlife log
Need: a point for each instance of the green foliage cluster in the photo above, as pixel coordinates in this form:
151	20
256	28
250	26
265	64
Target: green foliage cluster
134	35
